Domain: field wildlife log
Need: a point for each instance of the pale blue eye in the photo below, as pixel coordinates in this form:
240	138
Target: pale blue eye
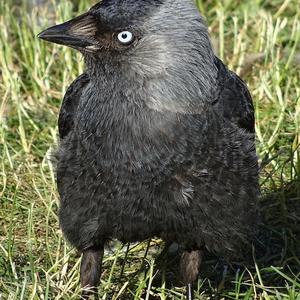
125	37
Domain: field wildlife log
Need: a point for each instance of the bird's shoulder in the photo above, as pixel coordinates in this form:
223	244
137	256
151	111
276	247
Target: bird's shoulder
234	101
70	103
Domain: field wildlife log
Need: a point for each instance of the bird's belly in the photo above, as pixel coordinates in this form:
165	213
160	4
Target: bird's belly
102	199
123	206
136	212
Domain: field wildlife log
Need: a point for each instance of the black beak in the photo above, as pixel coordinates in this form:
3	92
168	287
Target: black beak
78	33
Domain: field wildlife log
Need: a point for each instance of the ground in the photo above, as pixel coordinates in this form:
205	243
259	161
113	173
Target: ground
260	40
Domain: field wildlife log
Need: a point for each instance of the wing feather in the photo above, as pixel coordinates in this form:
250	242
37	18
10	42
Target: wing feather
70	104
234	101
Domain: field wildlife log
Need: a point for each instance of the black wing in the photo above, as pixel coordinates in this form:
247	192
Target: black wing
234	101
69	105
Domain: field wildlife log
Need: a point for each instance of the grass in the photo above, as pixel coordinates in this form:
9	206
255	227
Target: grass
258	39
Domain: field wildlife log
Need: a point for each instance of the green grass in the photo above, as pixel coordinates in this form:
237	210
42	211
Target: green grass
258	39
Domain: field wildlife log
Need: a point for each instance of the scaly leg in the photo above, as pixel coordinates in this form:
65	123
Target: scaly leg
189	266
90	271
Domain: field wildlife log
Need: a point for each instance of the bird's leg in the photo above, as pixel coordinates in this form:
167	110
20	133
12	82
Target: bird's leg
189	265
90	271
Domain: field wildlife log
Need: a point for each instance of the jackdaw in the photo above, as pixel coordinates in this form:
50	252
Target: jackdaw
156	137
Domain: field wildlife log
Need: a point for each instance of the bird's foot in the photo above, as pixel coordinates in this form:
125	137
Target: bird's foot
90	272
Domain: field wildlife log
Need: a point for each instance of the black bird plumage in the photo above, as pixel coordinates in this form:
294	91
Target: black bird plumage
156	137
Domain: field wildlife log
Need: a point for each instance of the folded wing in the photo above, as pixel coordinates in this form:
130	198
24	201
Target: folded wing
70	104
234	101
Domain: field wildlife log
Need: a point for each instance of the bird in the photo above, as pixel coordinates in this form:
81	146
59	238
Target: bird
156	137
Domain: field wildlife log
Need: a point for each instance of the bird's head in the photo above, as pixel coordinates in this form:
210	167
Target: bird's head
163	44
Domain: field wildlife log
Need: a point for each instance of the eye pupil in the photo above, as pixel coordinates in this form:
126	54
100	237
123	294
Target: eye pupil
124	36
